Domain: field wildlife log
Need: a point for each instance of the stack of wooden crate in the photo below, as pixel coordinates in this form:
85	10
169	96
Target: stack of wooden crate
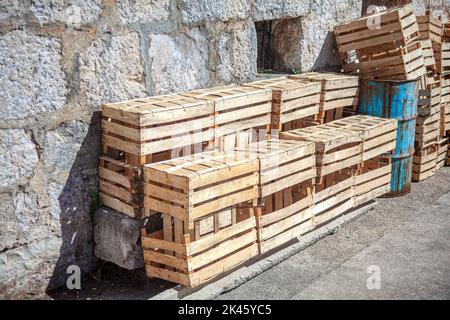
286	179
445	99
429	116
241	114
206	227
143	131
383	45
295	104
338	96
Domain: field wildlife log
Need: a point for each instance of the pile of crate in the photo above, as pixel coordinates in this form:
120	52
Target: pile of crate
383	45
154	129
223	208
434	95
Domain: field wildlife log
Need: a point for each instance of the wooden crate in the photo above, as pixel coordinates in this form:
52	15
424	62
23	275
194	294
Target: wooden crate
443	146
372	180
192	187
333	196
430	28
396	26
173	255
336	148
379	134
442	57
446	32
241	114
442	120
445	119
143	127
120	186
287	171
424	163
427	131
428	55
282	163
445	89
405	63
292	101
392	51
338	91
284	216
429	95
447	159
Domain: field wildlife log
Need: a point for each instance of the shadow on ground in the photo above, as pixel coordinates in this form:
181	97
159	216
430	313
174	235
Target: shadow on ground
113	282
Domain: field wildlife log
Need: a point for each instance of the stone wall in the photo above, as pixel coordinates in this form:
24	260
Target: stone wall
60	60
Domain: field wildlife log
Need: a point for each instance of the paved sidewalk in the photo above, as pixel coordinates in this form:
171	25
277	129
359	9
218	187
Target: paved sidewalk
407	239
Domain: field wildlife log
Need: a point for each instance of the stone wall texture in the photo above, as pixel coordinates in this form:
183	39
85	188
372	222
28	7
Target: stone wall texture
60	60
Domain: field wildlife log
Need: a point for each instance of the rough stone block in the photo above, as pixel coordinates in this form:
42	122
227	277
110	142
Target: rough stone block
62	145
196	11
117	239
143	11
178	63
26	270
31	79
72	13
21	220
18	157
112	69
277	9
236	53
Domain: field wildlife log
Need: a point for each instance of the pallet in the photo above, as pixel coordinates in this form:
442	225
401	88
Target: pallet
333	196
241	114
443	146
173	255
427	131
442	57
336	148
120	186
372	180
291	101
424	163
430	28
338	91
192	187
429	95
284	216
379	134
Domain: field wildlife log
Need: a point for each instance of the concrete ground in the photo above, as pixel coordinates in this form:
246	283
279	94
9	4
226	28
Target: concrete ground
400	250
406	239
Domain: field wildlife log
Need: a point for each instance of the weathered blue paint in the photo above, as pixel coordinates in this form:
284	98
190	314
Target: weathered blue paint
395	100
